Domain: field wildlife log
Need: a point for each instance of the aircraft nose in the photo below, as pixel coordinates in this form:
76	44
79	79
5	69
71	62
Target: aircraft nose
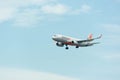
53	37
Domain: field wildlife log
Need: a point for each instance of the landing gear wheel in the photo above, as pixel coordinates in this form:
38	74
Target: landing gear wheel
77	46
57	43
66	48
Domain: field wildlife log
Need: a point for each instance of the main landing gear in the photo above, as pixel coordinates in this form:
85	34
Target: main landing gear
66	47
77	46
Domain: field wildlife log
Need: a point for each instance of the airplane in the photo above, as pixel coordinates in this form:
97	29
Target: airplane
62	40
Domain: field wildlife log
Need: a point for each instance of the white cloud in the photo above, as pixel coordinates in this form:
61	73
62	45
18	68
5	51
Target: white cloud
85	8
55	9
6	13
112	36
17	74
61	9
21	3
112	56
10	8
111	27
28	17
111	40
30	12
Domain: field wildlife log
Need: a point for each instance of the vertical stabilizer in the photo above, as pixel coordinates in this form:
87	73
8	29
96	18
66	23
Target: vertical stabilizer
90	36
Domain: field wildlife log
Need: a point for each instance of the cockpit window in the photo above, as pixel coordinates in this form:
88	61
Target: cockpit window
54	35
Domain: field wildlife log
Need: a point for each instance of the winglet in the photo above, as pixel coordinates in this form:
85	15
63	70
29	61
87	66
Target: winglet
91	38
100	36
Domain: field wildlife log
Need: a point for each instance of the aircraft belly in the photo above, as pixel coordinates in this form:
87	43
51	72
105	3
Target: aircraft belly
85	44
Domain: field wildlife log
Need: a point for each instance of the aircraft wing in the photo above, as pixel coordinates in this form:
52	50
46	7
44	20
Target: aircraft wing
88	40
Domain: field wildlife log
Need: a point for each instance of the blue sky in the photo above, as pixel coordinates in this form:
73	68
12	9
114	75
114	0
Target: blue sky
27	51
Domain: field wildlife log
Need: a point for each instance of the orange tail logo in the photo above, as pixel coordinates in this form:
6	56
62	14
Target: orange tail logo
90	36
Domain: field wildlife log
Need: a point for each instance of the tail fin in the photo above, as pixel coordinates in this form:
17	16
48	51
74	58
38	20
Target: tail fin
90	36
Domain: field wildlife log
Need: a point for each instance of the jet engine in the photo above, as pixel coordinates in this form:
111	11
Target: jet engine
59	44
74	42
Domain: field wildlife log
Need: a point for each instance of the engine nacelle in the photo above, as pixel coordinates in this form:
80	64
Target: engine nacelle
74	42
59	44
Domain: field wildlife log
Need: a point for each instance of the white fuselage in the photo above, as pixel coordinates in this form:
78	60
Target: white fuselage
70	41
66	40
